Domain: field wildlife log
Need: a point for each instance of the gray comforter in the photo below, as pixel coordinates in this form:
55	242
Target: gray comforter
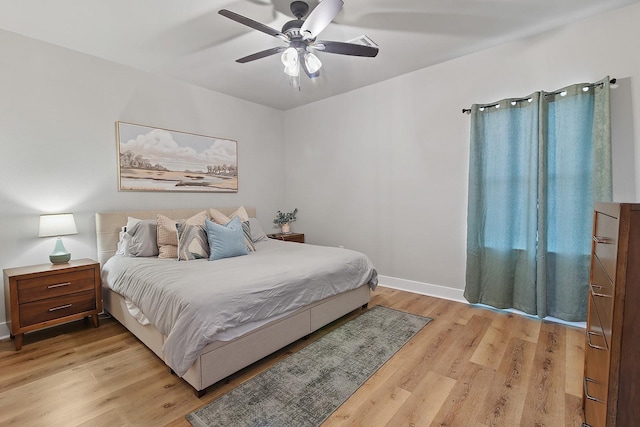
190	302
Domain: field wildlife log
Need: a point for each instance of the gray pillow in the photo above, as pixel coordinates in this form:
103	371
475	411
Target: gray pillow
257	234
144	237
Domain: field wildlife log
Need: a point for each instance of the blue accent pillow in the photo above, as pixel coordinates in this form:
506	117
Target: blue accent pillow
226	241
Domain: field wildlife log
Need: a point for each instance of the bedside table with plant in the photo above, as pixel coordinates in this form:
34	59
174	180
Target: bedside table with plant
283	221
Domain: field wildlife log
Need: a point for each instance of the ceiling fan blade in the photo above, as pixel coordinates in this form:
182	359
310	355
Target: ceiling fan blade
259	55
253	24
320	17
343	48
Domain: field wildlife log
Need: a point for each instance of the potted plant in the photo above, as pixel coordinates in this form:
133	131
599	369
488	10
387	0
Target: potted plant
284	219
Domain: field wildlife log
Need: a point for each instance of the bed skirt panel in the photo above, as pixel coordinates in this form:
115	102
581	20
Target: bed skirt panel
220	359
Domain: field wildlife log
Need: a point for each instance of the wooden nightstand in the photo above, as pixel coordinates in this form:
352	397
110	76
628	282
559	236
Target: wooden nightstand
43	295
289	237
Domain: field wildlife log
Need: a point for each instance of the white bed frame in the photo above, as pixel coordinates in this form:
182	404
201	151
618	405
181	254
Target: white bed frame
220	359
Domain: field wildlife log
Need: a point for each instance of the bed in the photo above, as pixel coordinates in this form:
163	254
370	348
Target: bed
259	331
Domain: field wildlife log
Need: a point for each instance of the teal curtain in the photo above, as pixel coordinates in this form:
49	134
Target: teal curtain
537	165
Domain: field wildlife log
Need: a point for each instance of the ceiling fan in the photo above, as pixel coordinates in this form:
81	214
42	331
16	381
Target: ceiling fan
300	36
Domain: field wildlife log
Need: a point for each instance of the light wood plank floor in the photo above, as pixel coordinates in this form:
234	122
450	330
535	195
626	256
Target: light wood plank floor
469	367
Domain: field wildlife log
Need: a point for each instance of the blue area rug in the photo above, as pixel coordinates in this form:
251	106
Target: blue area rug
308	386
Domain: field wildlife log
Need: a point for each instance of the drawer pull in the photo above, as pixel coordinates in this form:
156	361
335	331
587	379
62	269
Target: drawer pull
588	380
61	307
597	347
59	285
598	294
603	240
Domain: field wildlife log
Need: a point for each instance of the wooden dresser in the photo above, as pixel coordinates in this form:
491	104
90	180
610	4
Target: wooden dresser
43	295
612	351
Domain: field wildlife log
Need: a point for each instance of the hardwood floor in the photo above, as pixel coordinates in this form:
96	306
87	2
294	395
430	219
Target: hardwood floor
469	367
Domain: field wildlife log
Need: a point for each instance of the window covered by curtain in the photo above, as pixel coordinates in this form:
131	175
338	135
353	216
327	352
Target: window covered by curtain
537	165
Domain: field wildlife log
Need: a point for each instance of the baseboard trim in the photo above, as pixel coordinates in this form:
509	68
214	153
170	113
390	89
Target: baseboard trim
422	288
4	331
452	294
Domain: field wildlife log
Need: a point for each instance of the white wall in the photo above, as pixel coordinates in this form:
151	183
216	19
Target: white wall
58	110
384	169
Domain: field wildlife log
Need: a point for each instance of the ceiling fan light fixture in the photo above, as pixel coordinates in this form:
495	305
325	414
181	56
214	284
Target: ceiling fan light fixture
291	63
312	62
293	71
289	57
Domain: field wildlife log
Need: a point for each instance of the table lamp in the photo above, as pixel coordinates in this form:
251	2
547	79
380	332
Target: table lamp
58	225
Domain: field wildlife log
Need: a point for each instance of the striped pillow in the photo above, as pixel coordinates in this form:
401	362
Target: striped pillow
246	229
192	242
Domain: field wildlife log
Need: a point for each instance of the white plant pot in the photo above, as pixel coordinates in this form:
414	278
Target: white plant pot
286	228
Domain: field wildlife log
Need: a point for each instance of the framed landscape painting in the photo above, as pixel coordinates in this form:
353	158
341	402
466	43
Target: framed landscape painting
155	159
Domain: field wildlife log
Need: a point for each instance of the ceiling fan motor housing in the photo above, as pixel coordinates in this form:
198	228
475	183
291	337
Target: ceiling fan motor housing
295	24
299	9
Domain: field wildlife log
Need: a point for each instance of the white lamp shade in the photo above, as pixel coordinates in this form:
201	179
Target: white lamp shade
57	225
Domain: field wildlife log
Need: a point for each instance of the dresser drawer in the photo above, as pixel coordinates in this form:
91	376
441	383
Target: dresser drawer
606	243
44	287
596	381
41	311
595	413
601	293
597	370
596	337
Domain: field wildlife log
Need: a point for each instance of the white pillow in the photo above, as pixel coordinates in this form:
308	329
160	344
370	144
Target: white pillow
220	218
241	212
123	242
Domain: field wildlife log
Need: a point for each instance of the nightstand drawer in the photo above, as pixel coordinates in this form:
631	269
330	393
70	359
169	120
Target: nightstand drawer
43	287
54	308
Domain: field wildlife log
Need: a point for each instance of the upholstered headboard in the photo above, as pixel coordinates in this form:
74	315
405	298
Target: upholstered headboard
109	224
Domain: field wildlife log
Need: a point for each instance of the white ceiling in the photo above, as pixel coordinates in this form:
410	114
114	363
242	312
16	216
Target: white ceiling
190	41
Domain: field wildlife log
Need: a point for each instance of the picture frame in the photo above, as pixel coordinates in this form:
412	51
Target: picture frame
156	159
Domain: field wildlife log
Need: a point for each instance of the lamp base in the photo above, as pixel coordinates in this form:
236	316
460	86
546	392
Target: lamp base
59	254
59	258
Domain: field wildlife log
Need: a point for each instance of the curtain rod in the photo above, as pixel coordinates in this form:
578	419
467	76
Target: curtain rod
468	110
